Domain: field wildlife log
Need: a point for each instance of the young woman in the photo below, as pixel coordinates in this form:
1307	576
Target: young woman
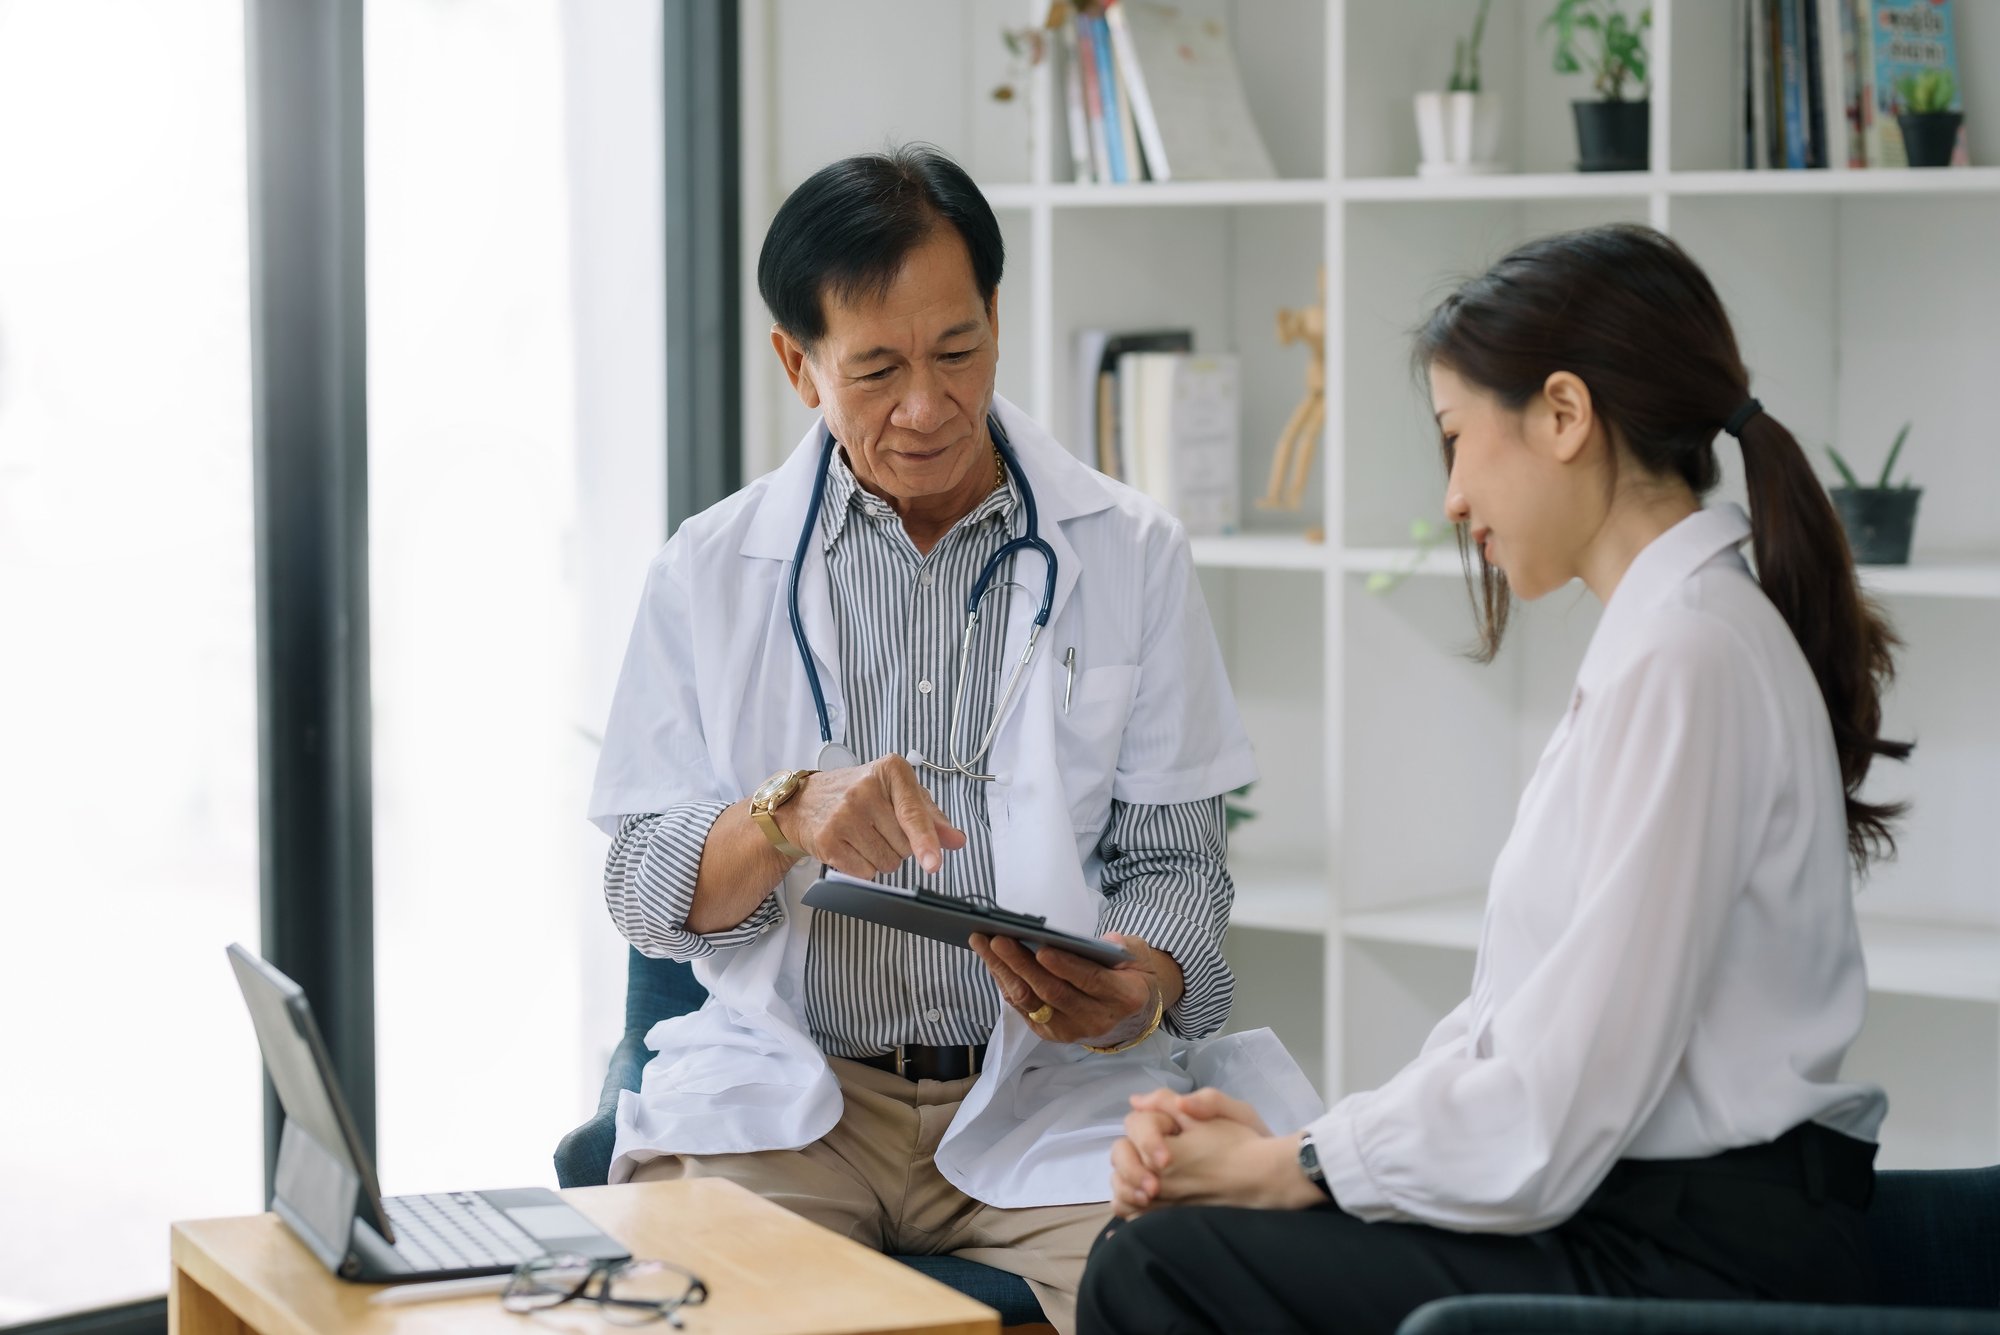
1642	1095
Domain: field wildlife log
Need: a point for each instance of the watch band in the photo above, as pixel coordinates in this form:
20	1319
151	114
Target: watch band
769	825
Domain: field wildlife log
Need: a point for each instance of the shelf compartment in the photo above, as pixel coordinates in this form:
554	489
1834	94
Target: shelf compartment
1261	551
1943	961
1439	560
1504	185
1930	579
1875	181
1280	898
1914	959
1159	194
1935	579
1450	921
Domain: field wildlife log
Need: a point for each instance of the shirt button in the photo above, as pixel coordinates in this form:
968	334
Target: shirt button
933	1015
927	579
924	687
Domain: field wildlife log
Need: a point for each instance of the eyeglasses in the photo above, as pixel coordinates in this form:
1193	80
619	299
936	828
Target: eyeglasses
648	1290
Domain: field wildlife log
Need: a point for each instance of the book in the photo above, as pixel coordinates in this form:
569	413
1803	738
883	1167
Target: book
1815	84
1179	419
1771	82
1194	94
1107	93
1743	79
1093	100
1078	119
1088	345
1097	388
1128	135
1791	46
1905	37
1854	91
1134	77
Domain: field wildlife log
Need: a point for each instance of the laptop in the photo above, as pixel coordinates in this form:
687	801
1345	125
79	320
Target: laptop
325	1189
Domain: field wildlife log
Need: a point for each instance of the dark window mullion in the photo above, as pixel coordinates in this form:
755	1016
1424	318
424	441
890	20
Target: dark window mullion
310	446
704	410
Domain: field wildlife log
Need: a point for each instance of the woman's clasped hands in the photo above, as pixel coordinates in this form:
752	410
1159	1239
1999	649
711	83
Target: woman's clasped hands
1204	1148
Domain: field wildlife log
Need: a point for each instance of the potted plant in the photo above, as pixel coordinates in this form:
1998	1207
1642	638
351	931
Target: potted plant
1458	130
1929	125
1878	519
1612	134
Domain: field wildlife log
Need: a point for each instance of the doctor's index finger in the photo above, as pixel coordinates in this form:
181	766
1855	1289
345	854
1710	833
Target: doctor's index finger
926	826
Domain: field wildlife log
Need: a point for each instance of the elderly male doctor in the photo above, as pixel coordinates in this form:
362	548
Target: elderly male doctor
913	1095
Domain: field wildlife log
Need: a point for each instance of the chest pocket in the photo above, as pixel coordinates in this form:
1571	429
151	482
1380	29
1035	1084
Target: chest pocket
1088	736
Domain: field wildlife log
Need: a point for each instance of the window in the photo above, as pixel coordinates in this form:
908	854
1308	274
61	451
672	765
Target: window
128	710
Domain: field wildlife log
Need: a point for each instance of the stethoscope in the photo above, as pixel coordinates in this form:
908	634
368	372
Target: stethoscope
836	755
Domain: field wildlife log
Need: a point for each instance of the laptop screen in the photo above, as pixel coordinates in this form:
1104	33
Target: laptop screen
324	1177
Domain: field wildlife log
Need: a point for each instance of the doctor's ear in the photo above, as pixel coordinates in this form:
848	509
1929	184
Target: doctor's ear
798	366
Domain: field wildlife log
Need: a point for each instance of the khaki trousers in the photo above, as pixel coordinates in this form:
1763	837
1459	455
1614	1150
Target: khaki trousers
874	1178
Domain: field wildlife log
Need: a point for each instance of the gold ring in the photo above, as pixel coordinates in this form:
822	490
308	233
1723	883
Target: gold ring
1041	1014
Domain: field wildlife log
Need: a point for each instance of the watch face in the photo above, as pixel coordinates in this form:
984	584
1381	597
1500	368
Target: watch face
776	788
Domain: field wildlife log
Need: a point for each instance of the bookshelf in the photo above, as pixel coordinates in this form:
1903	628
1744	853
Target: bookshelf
1391	764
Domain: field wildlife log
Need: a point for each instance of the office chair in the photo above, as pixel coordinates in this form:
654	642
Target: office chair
656	990
1934	1236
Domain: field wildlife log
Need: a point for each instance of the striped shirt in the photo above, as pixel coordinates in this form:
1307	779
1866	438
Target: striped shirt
900	616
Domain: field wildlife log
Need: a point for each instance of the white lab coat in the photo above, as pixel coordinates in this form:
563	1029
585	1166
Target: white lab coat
712	699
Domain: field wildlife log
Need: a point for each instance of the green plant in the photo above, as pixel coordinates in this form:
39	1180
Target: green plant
1620	43
1427	536
1465	61
1854	483
1924	93
1027	48
1234	813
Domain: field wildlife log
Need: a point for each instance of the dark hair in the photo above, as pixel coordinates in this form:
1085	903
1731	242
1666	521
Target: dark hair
849	227
1624	309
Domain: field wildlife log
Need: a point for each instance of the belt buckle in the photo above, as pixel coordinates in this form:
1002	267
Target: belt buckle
901	1074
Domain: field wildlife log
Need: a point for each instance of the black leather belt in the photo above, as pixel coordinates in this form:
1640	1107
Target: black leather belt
919	1061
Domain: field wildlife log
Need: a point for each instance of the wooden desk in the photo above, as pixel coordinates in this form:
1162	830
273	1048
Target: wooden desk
768	1272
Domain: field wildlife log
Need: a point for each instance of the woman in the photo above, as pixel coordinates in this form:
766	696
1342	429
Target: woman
1642	1095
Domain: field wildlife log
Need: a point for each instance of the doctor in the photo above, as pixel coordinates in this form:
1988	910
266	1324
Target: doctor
801	688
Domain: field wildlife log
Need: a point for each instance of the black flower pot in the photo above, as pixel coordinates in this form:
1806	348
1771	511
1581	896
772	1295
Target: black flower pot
1929	136
1879	521
1613	136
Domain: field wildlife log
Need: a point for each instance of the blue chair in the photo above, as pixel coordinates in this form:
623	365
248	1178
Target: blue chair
658	989
1935	1238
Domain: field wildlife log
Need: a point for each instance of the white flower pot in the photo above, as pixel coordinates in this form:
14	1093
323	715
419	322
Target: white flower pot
1458	134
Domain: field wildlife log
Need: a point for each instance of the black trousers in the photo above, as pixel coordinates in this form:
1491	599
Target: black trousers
1781	1221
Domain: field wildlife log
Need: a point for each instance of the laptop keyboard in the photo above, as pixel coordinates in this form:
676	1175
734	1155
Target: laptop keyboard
456	1231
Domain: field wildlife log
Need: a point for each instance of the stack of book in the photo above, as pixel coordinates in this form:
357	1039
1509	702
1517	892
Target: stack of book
1817	80
1153	94
1154	413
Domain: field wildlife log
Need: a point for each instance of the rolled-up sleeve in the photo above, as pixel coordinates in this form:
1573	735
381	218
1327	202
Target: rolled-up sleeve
1166	879
649	883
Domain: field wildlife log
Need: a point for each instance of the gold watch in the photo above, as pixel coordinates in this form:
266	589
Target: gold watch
771	794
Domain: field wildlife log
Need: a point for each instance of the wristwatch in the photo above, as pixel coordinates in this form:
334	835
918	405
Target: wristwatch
771	794
1309	1165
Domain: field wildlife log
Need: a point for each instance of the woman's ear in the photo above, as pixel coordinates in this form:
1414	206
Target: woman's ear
1570	414
798	367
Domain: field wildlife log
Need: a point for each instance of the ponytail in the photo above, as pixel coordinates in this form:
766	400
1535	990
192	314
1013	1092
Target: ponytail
1624	309
1807	571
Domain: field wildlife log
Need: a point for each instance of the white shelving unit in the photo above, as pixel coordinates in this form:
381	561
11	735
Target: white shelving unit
1391	763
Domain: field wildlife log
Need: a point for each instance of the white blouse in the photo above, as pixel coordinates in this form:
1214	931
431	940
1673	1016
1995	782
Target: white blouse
1670	965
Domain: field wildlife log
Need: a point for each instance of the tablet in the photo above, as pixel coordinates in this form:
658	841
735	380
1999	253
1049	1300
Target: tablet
952	921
